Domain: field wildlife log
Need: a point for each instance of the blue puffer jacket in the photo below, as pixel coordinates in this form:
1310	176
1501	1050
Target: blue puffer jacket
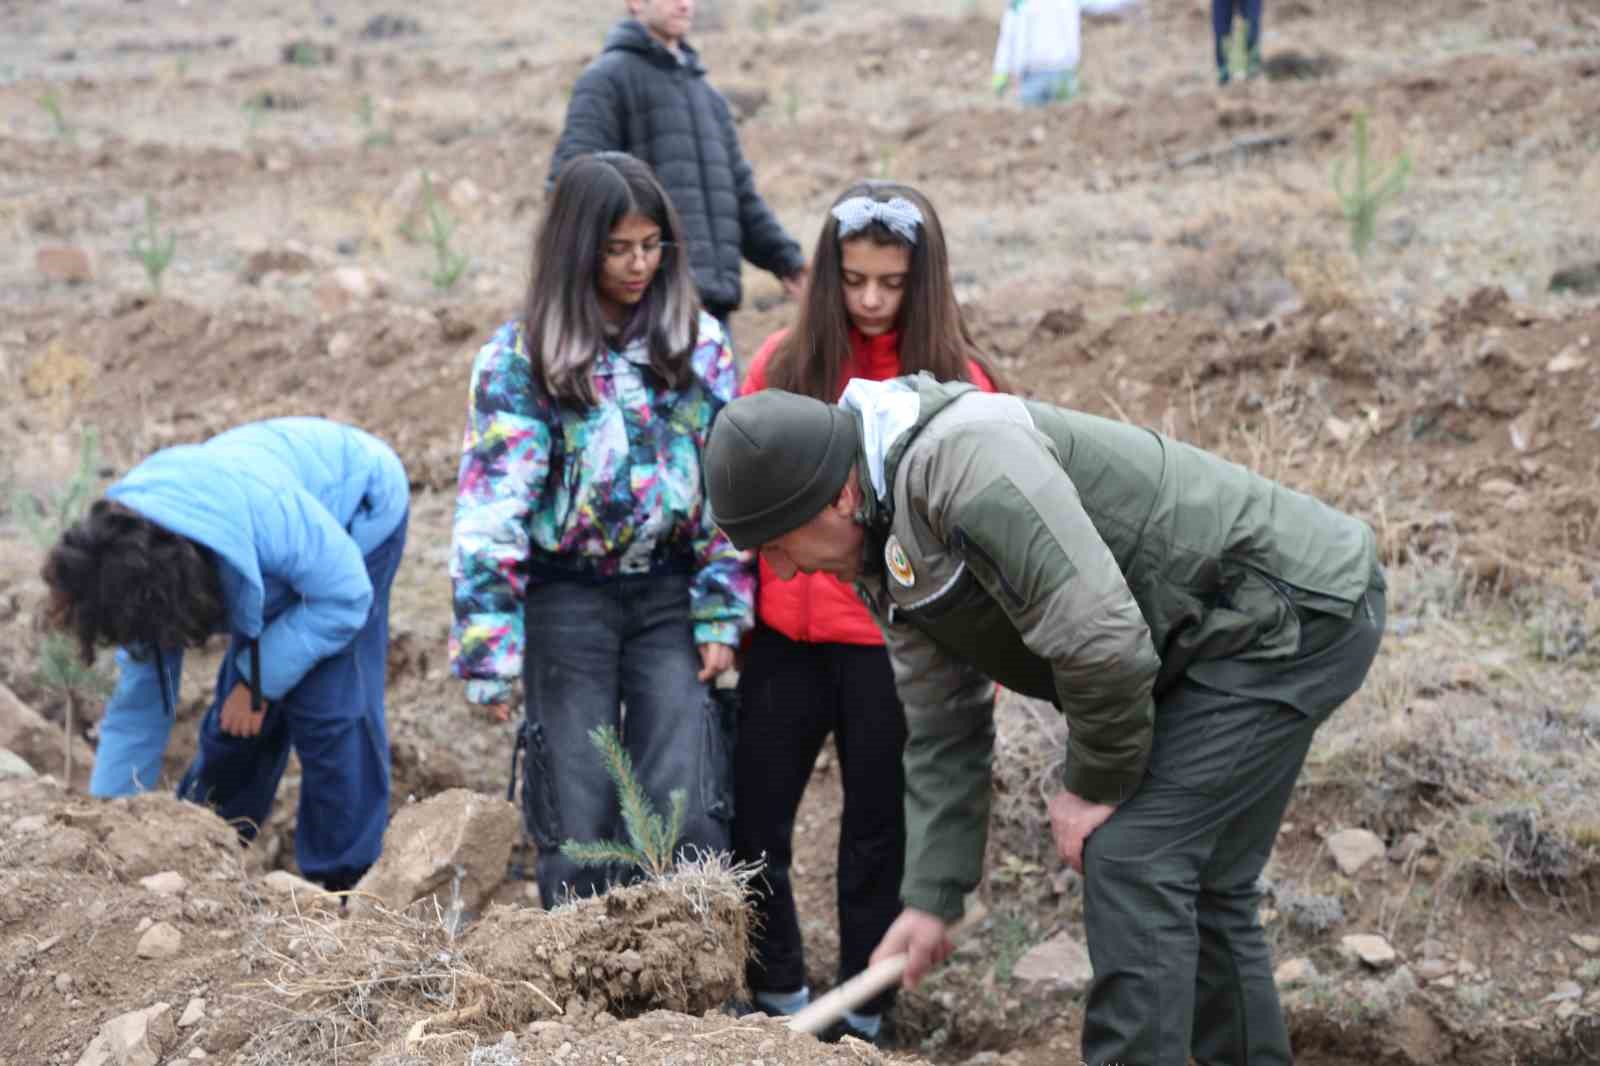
290	507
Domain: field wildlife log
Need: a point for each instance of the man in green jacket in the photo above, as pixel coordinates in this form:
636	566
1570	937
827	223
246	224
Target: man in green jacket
1194	622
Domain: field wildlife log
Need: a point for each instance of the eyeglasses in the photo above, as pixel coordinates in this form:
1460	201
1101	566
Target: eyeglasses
624	251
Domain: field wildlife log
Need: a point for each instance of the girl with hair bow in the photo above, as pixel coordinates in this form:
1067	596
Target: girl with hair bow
879	304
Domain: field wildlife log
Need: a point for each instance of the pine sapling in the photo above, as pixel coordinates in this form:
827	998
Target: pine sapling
652	839
153	249
61	667
450	264
51	102
1368	190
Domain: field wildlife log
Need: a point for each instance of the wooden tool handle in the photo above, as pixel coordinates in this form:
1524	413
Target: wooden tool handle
830	1007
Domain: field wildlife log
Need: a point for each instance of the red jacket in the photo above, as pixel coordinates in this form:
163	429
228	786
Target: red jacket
819	608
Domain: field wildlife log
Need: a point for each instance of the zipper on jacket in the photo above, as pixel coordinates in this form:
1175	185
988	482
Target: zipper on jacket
963	544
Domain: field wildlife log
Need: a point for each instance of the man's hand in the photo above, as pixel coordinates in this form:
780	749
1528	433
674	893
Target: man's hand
795	284
1072	819
238	720
715	659
922	937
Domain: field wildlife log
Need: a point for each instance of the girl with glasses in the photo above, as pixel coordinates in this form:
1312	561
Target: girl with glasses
584	562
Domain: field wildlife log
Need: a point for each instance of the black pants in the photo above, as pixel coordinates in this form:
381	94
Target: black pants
793	695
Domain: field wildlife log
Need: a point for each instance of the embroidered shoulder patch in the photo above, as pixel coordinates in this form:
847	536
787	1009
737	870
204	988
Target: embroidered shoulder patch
894	557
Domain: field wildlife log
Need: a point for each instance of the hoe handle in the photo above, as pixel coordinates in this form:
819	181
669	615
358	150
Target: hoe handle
831	1006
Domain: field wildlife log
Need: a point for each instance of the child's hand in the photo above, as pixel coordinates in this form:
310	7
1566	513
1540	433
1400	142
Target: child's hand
498	712
714	660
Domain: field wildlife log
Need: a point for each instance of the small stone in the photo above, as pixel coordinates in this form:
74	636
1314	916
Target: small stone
1059	965
63	983
1588	943
144	923
1564	991
1433	969
1372	950
64	262
1354	848
1567	361
1407	846
1446	982
193	1014
344	287
1294	972
29	824
197	1053
166	883
1431	949
160	941
1567	1009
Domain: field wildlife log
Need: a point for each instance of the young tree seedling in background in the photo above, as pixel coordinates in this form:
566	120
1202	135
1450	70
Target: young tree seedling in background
61	667
367	114
450	263
51	102
651	838
1368	190
152	248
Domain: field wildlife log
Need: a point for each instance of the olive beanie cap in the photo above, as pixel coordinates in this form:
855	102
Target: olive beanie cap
775	460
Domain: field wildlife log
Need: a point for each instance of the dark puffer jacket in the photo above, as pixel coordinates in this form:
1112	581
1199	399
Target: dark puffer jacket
638	98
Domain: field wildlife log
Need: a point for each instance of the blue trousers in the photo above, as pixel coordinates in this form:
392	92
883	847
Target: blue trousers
334	721
593	649
1222	13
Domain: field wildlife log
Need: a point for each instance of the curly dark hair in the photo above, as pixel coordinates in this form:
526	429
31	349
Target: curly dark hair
116	578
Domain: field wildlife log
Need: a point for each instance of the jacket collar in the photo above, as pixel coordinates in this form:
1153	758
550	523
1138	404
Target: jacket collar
877	357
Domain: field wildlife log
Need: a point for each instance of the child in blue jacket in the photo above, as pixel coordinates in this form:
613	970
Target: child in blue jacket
285	535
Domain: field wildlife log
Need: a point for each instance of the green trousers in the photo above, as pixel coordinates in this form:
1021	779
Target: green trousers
1181	965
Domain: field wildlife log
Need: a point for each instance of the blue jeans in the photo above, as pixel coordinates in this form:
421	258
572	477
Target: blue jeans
1222	13
1041	87
593	650
334	720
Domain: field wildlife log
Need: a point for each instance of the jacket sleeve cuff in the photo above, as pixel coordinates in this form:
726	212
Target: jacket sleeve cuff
945	902
717	633
1100	786
490	690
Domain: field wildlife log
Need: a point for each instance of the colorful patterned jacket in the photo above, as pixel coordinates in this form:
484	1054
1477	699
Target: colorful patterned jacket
552	492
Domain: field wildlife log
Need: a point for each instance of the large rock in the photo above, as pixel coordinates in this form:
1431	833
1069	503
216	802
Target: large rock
27	733
1060	964
1354	848
14	765
430	844
138	1038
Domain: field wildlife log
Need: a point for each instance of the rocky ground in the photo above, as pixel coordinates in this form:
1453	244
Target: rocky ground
1159	251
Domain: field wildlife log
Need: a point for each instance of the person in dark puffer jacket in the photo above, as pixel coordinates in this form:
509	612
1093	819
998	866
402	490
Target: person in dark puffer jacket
647	95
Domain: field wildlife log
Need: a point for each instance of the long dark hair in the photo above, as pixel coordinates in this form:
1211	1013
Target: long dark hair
116	578
565	329
933	336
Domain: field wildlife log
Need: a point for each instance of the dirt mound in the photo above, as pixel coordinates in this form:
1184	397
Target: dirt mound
414	980
107	907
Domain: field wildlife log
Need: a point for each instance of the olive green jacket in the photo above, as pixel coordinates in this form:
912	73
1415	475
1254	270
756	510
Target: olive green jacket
1073	559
